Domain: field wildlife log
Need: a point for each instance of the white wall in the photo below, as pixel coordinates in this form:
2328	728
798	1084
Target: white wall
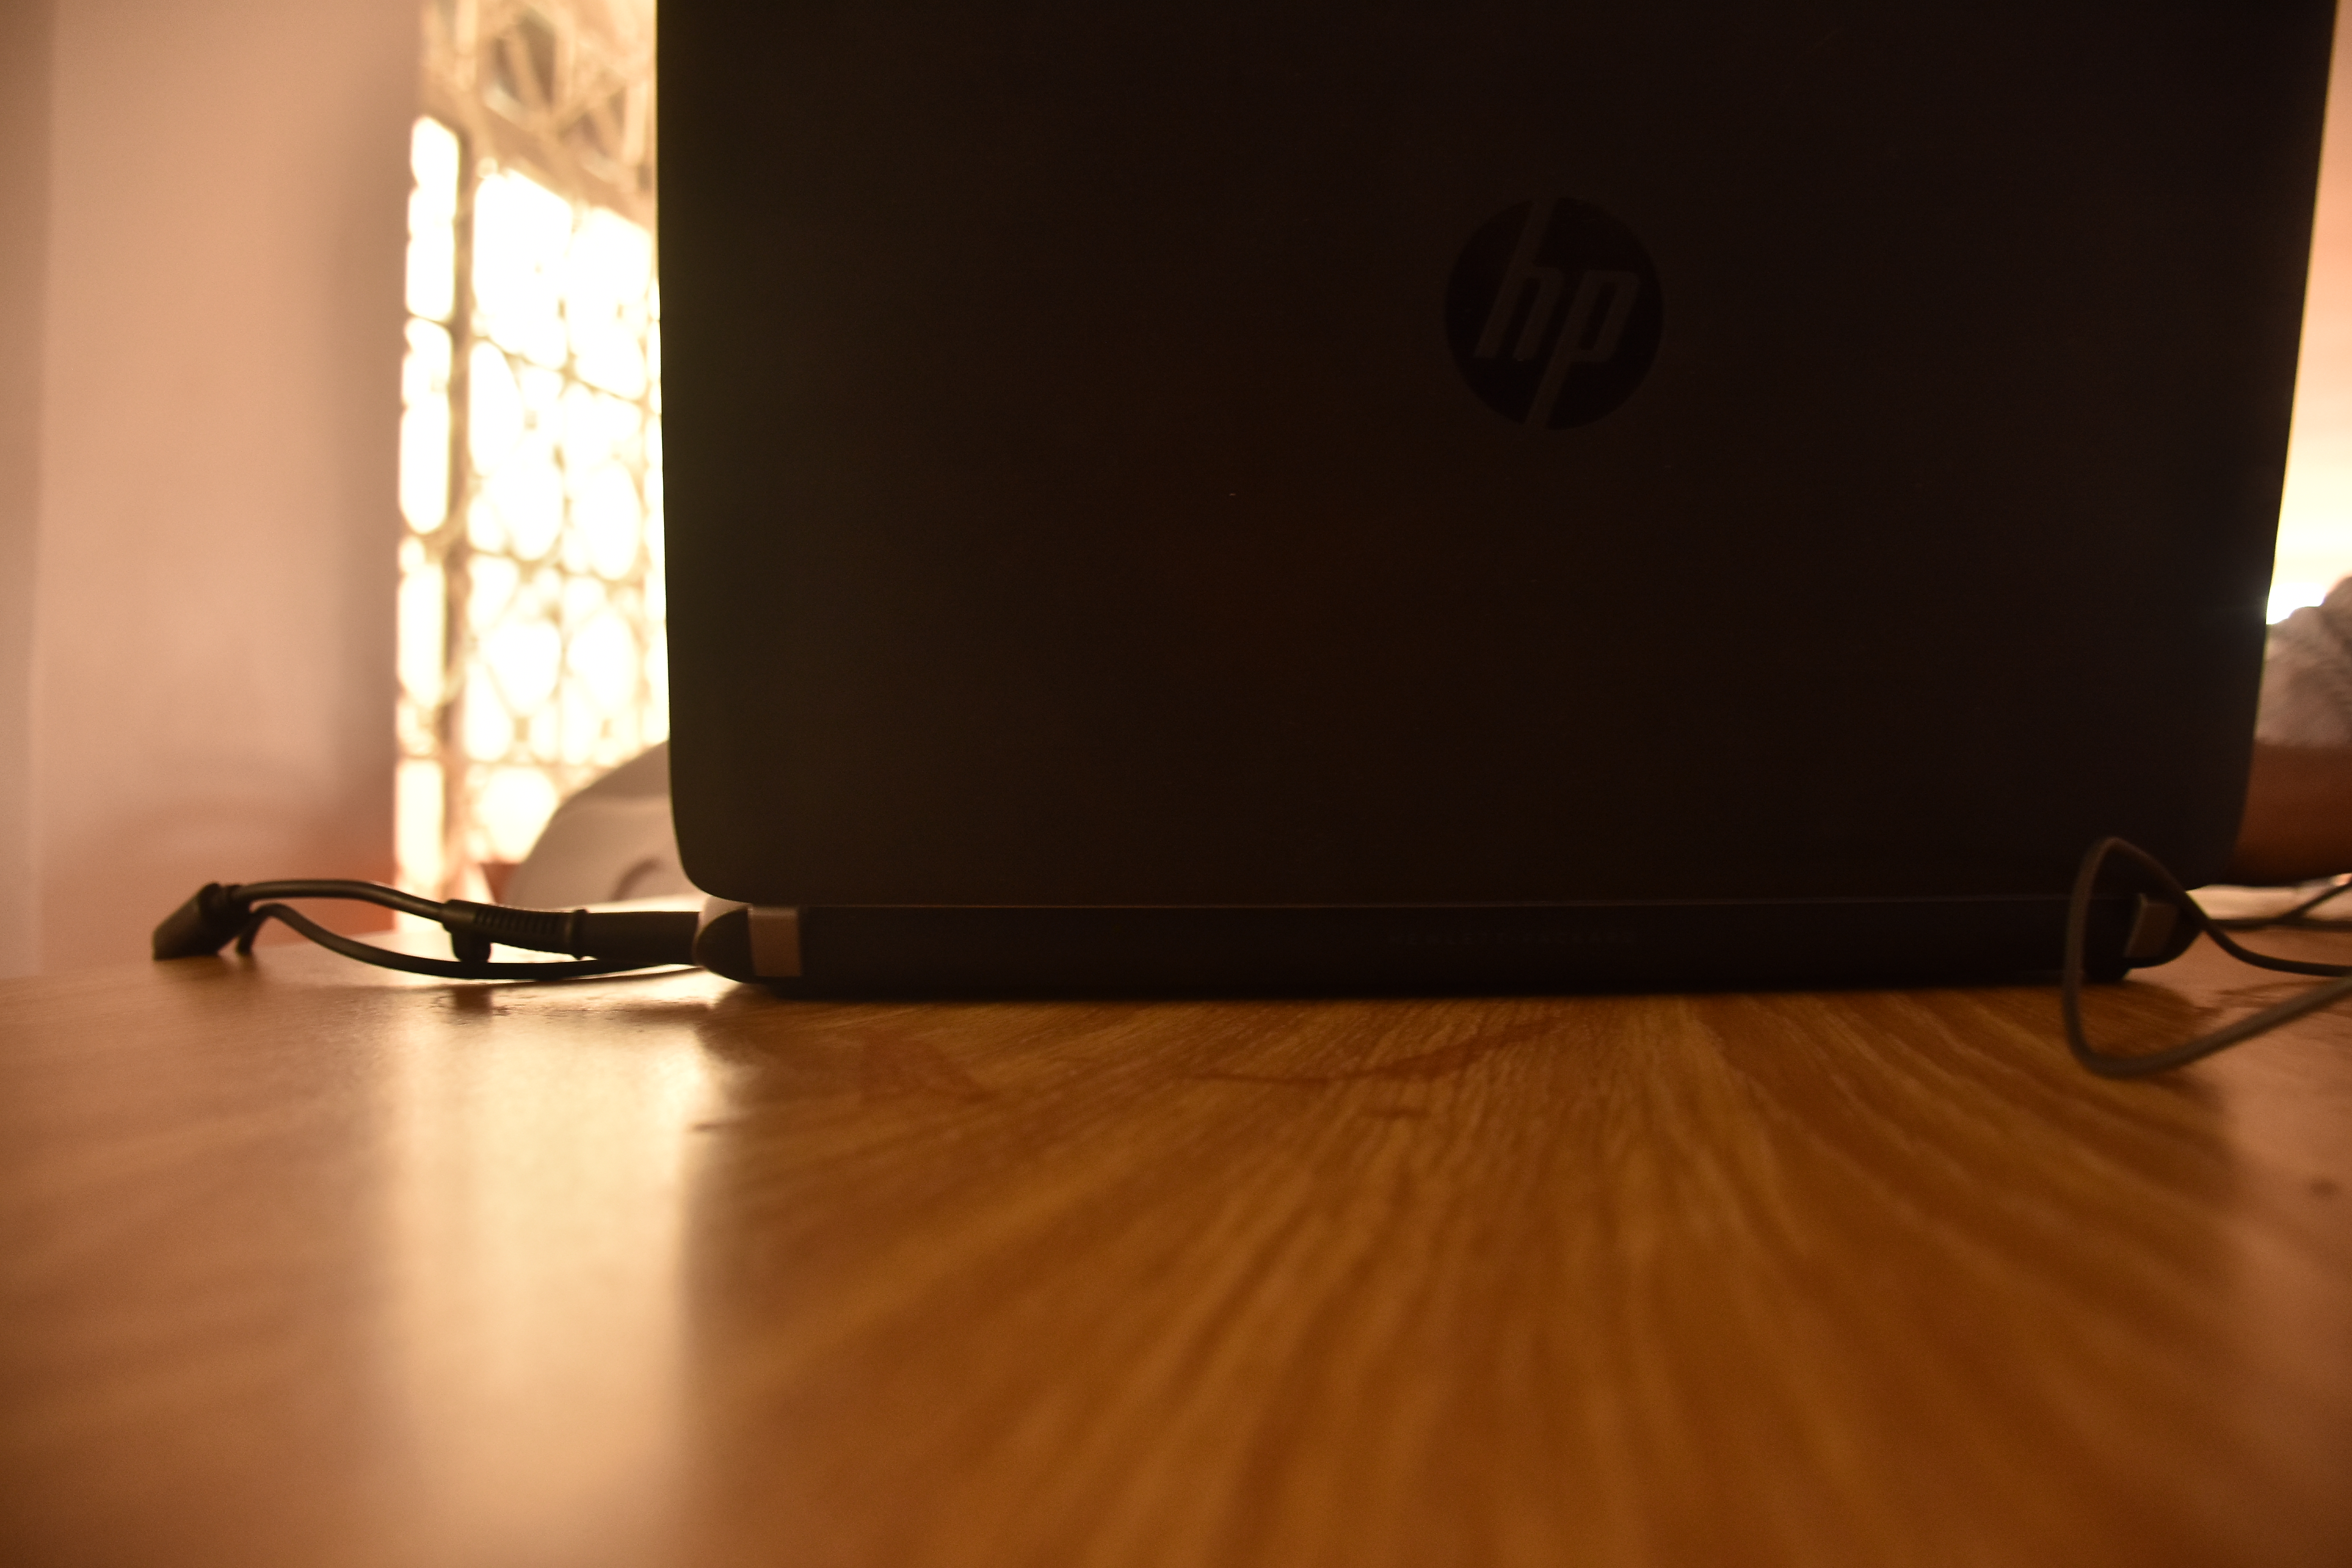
24	253
212	676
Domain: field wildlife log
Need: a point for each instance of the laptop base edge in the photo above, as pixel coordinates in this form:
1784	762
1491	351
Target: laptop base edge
921	950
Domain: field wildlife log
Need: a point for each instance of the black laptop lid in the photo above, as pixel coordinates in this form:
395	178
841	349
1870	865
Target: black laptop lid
1099	476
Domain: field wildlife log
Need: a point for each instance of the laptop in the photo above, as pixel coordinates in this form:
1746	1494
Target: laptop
1481	495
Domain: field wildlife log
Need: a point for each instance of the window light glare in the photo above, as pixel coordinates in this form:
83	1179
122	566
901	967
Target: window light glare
424	635
514	804
526	658
419	805
609	523
425	427
2286	598
433	160
432	221
527	491
491	582
522	233
604	655
606	273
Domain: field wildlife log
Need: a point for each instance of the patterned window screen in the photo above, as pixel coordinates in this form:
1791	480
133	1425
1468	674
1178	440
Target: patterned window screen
531	651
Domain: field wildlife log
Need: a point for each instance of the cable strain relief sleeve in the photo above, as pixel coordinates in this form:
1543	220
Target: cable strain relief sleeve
638	937
542	930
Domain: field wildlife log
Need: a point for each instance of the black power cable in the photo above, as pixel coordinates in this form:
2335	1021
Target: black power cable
615	942
599	943
2078	915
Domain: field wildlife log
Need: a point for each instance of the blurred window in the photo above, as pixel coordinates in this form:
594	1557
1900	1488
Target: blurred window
532	654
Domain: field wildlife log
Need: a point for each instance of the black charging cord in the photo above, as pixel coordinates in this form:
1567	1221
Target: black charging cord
599	943
2168	889
616	942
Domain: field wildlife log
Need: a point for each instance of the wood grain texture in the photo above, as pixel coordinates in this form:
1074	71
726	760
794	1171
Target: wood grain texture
302	1263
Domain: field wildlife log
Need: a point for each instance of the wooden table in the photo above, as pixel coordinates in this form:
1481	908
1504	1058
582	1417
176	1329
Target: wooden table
310	1265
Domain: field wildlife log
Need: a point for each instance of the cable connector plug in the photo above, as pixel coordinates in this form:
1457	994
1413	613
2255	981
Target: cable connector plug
203	925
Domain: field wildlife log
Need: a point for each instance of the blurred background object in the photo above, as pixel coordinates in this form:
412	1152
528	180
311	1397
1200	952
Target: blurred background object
2307	676
609	842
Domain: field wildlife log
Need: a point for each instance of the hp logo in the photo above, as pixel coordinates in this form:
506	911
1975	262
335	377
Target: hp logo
1554	313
